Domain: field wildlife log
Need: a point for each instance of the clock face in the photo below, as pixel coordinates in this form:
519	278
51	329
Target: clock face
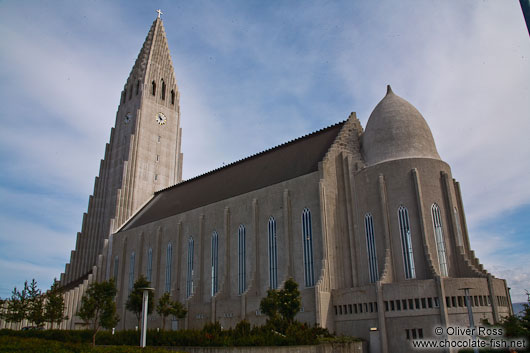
128	117
161	119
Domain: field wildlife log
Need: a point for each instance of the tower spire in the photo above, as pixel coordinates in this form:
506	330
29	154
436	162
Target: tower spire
142	156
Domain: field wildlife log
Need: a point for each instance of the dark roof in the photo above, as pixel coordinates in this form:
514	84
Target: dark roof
287	161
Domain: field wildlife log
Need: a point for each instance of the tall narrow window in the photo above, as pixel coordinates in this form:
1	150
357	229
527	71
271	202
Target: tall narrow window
123	96
242	271
153	88
273	255
189	274
439	238
130	92
131	272
172	97
149	271
406	242
163	93
370	246
116	266
169	260
215	262
137	87
307	239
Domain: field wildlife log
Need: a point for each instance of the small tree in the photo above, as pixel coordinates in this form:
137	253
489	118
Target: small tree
35	312
166	307
281	306
135	300
54	307
163	308
179	311
98	309
289	301
17	306
269	306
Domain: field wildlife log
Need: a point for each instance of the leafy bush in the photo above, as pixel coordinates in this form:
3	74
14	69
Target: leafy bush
212	335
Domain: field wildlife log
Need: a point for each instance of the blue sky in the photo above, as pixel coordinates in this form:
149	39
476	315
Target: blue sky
254	74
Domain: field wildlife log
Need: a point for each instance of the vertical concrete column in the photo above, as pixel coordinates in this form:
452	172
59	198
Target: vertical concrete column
67	270
74	307
462	215
120	283
287	231
381	320
62	326
110	258
421	216
456	240
444	316
325	236
202	259
158	253
494	303
99	269
349	192
177	264
388	267
227	288
141	269
257	269
69	309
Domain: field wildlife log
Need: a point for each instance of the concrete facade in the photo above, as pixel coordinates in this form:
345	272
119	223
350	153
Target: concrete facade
325	191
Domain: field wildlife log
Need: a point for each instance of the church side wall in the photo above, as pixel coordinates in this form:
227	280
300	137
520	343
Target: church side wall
284	201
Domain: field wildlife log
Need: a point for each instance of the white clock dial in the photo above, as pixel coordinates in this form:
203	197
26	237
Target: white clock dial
161	119
128	117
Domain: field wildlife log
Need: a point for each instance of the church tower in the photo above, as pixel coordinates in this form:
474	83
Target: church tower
142	156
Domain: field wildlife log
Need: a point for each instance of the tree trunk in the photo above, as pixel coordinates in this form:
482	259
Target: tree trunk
164	323
94	337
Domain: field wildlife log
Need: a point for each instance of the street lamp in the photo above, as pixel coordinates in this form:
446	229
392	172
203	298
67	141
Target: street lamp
470	314
145	298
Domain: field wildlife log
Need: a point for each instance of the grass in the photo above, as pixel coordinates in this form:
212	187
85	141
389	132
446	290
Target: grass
10	344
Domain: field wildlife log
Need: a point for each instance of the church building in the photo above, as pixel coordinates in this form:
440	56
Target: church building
368	221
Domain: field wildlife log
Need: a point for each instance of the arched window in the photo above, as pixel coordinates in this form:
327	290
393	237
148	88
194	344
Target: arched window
169	260
172	97
149	271
131	272
439	238
153	88
163	93
189	274
370	247
215	262
116	266
137	87
406	242
242	271
273	255
307	239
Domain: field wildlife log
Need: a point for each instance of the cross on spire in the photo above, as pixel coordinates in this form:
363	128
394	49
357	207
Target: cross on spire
159	12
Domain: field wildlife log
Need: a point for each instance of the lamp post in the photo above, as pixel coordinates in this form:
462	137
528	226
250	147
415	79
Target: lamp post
145	299
470	314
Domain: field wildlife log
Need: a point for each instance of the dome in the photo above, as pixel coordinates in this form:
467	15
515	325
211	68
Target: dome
396	130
